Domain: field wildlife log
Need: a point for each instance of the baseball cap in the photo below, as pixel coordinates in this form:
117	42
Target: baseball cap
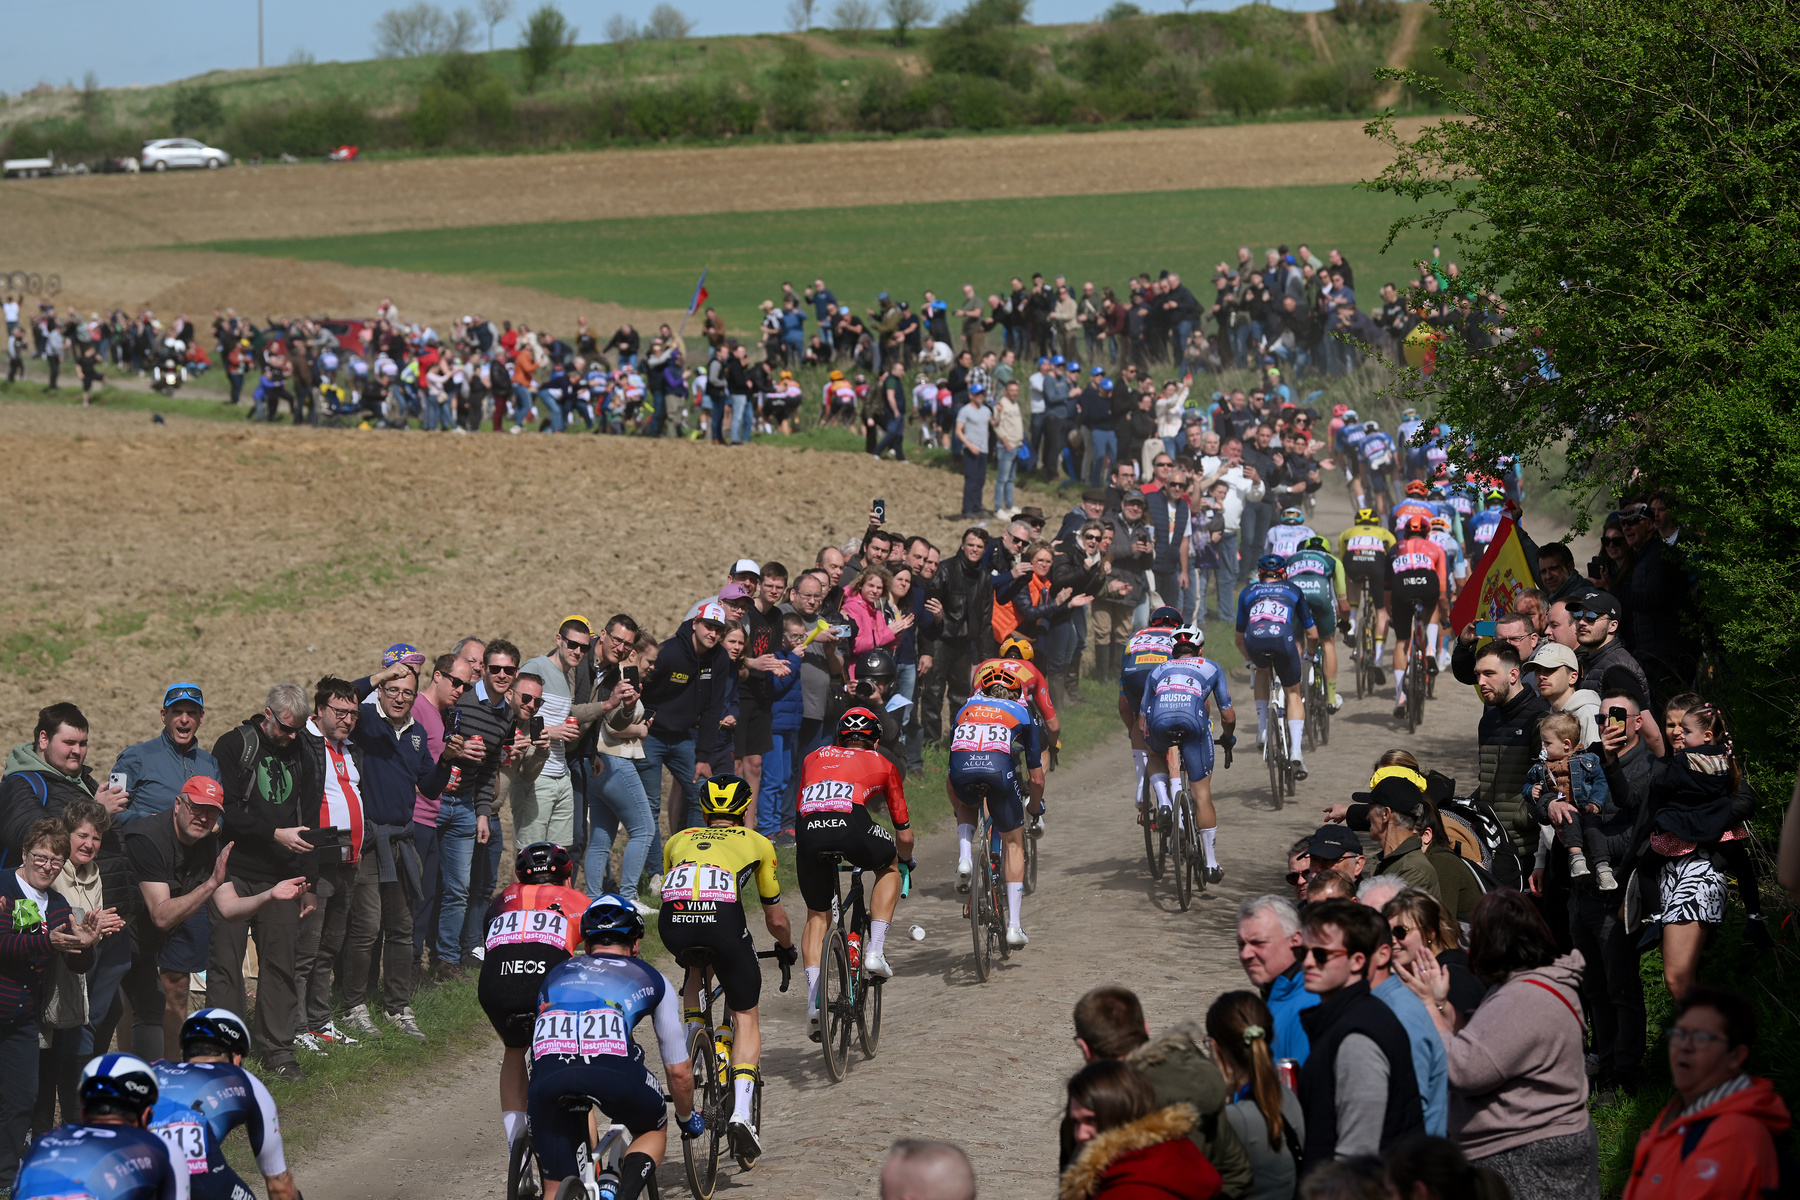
976	389
1231	274
1136	498
177	692
734	591
746	566
1074	366
1056	360
713	613
1333	842
1098	371
1043	362
1599	602
398	653
1402	795
1106	385
883	296
202	790
1551	655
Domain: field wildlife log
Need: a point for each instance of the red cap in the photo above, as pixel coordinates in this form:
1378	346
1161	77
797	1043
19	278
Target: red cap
201	790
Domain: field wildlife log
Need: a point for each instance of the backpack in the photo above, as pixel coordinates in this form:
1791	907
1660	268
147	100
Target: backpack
1499	865
40	789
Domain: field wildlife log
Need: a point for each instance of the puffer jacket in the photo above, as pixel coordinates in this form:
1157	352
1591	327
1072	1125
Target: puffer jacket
1179	1068
1719	1148
1151	1158
1508	740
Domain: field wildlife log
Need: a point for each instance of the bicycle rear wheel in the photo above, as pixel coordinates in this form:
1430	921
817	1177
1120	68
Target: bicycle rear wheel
1183	858
868	1002
837	1010
1196	852
700	1155
755	1120
1147	817
1031	863
979	915
521	1171
571	1189
997	903
1276	753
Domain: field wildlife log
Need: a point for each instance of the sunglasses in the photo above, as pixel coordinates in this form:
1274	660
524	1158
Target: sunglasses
526	698
1321	954
461	685
1587	617
495	669
1294	878
290	730
1399	932
575	645
1612	541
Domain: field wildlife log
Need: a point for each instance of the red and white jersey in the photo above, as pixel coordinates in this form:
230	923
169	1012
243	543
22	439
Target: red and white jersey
838	778
341	806
536	914
1419	554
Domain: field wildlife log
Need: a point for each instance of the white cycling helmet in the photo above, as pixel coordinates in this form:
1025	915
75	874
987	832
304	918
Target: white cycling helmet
1189	639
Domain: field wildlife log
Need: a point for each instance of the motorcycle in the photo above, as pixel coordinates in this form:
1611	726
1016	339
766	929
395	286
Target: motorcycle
170	371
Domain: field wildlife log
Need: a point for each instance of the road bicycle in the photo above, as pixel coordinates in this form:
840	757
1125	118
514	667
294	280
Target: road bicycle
1156	838
849	996
986	907
1276	751
1364	648
597	1163
709	1050
1418	671
1318	710
1182	841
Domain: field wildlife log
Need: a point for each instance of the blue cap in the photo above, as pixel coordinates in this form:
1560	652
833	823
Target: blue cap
1056	360
177	692
395	653
1043	362
1106	385
1073	365
976	389
1098	371
883	296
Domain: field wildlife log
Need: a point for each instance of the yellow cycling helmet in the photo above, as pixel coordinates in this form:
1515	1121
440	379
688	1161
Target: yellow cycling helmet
725	796
1365	516
996	679
1016	647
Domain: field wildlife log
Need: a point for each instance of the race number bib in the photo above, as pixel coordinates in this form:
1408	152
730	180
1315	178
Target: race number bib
522	927
186	1140
700	881
1379	460
1269	610
828	795
587	1033
1412	562
981	735
1146	639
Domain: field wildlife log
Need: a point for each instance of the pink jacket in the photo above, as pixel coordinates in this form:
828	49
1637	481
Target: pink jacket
872	632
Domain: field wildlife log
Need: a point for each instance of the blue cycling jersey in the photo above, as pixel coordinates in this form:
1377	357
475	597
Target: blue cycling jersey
1405	431
1274	611
589	1006
991	735
100	1162
1175	694
1145	649
1377	450
1483	524
1455	562
220	1096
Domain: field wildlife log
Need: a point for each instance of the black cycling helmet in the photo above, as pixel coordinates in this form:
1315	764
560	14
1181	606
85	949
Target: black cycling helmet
220	1026
543	862
1165	618
725	796
611	920
859	722
122	1081
876	664
1271	564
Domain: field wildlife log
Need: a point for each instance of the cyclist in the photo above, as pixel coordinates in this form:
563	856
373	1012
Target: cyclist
1363	549
1175	695
1443	506
1272	617
1016	656
1287	534
1316	571
837	784
1456	565
1405	432
1349	442
107	1154
1377	451
1145	649
208	1094
992	730
532	927
1484	524
582	1045
1416	575
707	873
1417	503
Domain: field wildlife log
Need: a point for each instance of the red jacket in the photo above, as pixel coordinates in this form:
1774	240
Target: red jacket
1151	1158
1723	1152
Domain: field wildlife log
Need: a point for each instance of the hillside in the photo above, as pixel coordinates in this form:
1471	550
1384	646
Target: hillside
980	69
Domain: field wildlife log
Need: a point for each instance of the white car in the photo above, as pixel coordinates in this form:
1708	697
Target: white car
163	153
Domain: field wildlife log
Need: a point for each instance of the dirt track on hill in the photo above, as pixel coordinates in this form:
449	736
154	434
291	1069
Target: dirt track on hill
102	233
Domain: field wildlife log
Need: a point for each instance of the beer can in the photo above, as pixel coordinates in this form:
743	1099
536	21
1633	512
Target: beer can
1289	1070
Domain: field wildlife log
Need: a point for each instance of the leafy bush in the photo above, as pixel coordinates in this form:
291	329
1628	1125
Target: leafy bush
70	140
493	103
980	41
1121	10
1246	85
1345	86
667	23
1114	54
980	103
1054	103
891	102
794	89
270	130
708	108
440	113
194	109
546	40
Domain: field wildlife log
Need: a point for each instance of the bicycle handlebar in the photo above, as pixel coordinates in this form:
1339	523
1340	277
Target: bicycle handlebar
1228	748
787	970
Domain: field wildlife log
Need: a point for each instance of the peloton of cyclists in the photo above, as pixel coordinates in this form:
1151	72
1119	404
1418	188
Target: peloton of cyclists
837	784
993	731
1272	619
208	1094
532	927
108	1154
1174	706
582	1045
708	872
1287	534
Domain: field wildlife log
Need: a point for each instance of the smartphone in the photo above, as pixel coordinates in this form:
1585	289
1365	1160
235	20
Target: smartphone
842	631
1616	716
455	723
536	728
1486	628
880	507
118	780
630	674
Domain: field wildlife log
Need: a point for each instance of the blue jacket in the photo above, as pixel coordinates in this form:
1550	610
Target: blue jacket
787	705
1287	999
1586	779
1430	1064
396	763
154	772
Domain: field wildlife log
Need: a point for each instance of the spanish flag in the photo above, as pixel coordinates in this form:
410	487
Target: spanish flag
1508	568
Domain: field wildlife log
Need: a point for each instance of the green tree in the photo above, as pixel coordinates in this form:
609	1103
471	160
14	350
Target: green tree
194	109
1627	174
545	42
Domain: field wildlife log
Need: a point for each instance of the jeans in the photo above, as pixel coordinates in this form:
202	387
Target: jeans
741	415
1226	584
1193	595
456	853
893	439
974	483
18	1093
484	871
1258	517
1008	470
437	412
616	797
521	403
1106	453
1182	334
716	408
237	385
1240	343
776	771
678	753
